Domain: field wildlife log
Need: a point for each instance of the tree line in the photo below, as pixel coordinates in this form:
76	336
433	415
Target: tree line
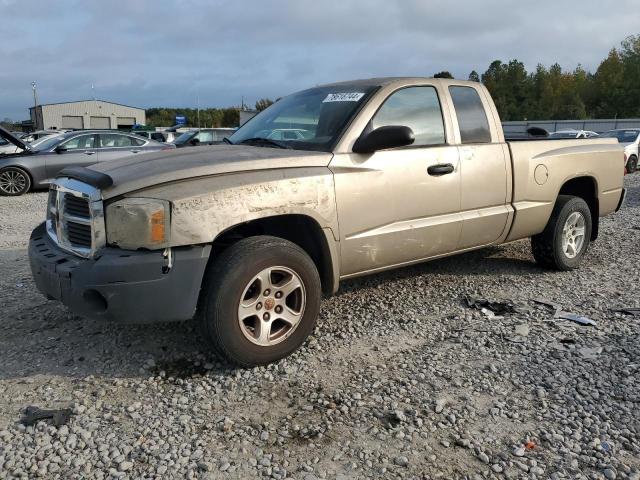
205	117
612	91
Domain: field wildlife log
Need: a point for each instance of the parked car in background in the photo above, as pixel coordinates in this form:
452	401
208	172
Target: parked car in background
289	134
573	134
630	138
164	136
41	161
7	148
157	136
37	135
203	136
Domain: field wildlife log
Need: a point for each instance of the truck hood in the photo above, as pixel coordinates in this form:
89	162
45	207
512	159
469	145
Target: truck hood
131	174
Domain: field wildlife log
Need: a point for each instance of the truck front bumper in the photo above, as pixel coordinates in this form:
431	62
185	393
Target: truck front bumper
119	285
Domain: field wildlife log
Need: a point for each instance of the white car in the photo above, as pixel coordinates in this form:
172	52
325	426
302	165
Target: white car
630	138
289	134
570	133
8	148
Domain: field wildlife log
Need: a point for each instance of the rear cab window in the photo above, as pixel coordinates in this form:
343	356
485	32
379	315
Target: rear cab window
471	115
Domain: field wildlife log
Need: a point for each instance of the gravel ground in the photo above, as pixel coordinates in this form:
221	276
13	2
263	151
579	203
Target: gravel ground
400	380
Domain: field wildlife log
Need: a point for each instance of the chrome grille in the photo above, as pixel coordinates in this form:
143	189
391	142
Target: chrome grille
75	219
76	206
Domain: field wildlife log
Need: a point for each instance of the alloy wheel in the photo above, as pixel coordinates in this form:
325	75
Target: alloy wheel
271	306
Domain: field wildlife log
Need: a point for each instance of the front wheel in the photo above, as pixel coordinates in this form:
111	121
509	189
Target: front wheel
632	164
566	237
14	181
259	300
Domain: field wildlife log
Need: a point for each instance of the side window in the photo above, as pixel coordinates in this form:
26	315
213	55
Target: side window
137	142
205	136
114	140
471	115
157	137
80	142
417	108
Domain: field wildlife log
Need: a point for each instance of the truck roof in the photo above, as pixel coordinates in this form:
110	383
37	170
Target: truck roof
383	81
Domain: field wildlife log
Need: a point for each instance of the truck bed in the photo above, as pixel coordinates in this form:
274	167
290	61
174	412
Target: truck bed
542	167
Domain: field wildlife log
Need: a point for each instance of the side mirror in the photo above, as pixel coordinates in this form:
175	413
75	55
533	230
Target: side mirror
195	141
60	149
384	137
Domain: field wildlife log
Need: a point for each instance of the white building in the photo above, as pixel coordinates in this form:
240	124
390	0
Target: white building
85	114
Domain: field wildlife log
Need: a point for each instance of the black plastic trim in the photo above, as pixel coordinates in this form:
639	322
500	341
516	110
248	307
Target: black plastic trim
118	285
88	176
622	198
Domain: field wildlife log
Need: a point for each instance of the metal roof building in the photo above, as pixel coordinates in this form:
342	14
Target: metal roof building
86	114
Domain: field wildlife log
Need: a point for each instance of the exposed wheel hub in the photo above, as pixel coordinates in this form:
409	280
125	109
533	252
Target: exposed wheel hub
269	303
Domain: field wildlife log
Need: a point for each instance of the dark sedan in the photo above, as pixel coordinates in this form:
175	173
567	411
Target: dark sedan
34	166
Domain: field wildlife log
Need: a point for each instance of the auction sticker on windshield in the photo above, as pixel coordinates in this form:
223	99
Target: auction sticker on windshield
343	97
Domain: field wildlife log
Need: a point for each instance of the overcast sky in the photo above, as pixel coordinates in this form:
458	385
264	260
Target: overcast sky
169	53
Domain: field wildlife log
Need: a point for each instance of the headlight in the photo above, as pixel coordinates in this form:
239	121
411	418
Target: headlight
134	223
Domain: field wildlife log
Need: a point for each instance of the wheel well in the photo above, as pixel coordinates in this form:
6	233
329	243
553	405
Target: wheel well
585	188
302	230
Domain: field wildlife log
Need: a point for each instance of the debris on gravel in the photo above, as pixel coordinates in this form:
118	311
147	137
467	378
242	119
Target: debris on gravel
401	378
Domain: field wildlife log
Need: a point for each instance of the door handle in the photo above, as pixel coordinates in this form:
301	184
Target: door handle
135	151
89	153
440	169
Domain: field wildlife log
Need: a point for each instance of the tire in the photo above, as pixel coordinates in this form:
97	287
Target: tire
238	274
632	164
14	182
548	248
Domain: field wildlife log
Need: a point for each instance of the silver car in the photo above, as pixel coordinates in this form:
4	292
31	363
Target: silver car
36	165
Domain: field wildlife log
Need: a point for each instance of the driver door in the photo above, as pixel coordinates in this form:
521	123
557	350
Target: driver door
79	151
394	207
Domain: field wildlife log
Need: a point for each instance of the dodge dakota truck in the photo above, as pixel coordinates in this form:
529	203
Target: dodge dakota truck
245	237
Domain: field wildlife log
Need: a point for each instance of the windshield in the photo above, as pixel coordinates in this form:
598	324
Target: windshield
46	144
34	145
185	137
623	136
309	120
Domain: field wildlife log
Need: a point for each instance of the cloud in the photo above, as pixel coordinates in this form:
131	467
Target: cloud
163	53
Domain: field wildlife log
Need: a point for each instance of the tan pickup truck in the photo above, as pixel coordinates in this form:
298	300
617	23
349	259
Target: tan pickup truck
327	184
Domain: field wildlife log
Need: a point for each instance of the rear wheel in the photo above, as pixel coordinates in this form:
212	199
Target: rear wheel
566	237
14	181
632	164
259	300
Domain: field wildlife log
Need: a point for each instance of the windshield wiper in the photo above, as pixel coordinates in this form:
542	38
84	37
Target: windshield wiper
264	142
226	140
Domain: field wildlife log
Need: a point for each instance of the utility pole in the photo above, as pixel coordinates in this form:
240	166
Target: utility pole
198	109
35	106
